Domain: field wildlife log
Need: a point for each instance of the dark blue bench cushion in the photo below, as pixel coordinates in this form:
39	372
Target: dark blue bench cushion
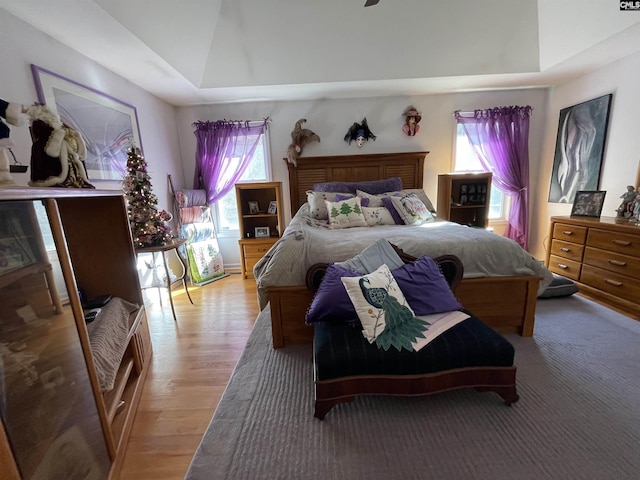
341	350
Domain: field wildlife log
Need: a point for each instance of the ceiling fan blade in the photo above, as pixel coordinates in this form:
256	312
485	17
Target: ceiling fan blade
370	3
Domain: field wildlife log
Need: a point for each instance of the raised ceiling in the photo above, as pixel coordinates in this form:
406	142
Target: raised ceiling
218	51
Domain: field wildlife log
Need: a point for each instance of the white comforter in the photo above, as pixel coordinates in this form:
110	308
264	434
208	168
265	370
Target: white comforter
307	241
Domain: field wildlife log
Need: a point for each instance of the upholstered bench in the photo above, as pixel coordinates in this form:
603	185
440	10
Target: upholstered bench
468	355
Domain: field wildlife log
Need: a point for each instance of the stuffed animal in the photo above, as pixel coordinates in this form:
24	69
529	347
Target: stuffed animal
13	114
299	138
58	152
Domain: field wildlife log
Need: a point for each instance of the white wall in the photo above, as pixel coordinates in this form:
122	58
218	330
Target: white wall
622	149
23	45
331	119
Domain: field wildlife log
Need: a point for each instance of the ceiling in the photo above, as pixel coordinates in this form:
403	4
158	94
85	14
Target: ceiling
219	51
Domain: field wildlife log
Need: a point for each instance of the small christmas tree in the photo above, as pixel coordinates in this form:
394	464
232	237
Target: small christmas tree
148	226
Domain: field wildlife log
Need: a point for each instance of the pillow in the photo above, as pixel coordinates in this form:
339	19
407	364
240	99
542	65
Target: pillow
345	214
377	216
411	209
364	202
388	204
372	257
317	207
425	287
383	311
420	193
375	200
373	186
331	303
559	287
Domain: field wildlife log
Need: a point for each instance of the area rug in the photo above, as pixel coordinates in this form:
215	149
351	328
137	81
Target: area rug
578	416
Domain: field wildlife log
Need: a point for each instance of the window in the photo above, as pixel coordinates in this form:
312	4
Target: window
258	170
465	160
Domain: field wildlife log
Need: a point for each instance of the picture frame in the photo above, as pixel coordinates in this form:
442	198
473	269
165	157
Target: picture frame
262	232
273	207
588	203
108	126
579	151
254	208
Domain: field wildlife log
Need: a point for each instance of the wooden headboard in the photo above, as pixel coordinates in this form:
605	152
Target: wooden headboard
353	168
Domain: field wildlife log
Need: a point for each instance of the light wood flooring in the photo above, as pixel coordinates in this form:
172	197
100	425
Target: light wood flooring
193	359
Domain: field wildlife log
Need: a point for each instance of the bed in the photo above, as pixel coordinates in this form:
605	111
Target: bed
501	282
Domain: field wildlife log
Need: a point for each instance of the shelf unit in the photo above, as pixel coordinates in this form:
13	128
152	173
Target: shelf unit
60	401
465	198
252	224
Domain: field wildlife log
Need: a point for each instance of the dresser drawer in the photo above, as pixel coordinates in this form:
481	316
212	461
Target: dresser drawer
256	250
625	243
565	267
569	233
569	250
614	262
611	282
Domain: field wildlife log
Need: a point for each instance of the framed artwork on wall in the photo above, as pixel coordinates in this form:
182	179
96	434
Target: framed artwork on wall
580	142
588	203
108	126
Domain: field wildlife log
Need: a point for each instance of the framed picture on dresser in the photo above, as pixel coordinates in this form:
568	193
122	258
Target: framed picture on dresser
588	203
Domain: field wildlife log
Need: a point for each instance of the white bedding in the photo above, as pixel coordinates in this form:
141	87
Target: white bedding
307	241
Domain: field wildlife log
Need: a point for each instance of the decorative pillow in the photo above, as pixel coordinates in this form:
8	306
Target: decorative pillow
317	207
375	200
364	202
411	210
420	193
425	287
377	216
373	186
345	214
331	303
383	311
388	204
372	257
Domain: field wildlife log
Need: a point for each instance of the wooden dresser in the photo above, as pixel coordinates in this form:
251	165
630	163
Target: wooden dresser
602	255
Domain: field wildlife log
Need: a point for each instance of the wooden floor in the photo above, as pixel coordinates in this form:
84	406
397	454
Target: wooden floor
193	359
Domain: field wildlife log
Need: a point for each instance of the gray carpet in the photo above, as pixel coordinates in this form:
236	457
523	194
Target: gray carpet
578	416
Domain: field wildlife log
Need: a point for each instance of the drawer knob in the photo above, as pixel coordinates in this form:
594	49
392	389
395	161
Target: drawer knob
622	243
617	263
615	283
262	249
567	232
562	266
564	249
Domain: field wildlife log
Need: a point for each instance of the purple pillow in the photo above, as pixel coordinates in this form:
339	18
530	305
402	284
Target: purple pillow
331	303
425	287
376	187
388	204
373	187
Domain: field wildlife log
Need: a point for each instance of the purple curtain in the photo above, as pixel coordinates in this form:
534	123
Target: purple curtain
223	151
500	138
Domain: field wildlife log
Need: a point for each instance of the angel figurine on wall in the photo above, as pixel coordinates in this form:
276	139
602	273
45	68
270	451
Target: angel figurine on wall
360	133
299	138
412	119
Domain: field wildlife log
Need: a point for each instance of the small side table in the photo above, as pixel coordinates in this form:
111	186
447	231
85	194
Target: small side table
163	249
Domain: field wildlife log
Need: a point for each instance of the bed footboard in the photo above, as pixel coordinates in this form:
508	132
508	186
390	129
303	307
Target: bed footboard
507	304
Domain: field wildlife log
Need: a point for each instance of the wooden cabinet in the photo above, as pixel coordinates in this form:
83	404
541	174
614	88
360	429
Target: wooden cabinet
261	221
602	255
59	417
464	198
